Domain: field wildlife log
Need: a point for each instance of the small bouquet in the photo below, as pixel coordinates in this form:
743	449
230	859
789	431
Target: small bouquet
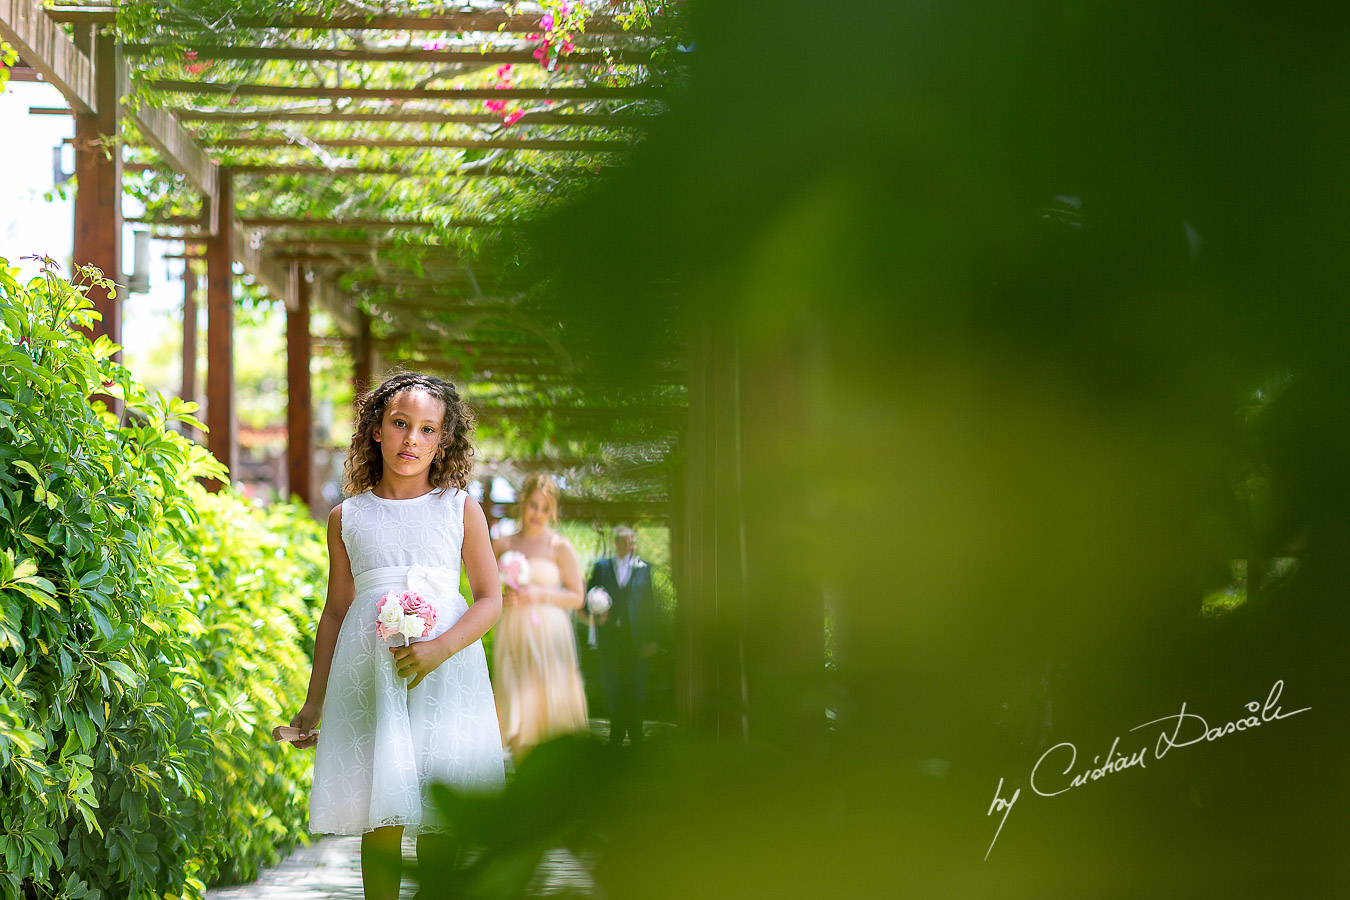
409	614
515	569
598	602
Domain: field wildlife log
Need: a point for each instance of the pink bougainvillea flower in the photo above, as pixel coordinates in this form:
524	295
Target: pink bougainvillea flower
502	70
533	37
495	105
541	52
546	22
513	116
568	47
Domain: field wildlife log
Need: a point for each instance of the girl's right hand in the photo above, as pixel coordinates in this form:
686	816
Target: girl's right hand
307	720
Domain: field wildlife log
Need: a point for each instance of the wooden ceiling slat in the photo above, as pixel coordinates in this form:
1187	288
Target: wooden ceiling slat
576	120
395	55
497	21
171	85
547	145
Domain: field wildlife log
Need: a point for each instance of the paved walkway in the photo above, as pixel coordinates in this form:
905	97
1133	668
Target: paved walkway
330	868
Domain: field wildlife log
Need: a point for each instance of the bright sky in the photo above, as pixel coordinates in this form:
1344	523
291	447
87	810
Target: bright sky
29	224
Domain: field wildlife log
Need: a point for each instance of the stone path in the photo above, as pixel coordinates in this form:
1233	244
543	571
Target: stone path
330	868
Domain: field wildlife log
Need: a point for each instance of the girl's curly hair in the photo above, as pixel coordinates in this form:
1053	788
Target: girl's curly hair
453	462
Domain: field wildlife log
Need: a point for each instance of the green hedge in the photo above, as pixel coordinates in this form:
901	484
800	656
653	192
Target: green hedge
150	634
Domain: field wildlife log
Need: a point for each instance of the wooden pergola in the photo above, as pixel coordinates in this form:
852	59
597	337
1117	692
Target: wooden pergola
395	284
253	147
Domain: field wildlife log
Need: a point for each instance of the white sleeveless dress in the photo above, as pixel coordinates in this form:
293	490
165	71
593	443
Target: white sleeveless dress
381	744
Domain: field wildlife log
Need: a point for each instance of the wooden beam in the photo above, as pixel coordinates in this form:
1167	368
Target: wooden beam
175	144
220	411
363	93
363	357
299	409
356	223
300	222
25	27
252	254
190	284
578	120
266	171
539	144
498	21
590	510
98	195
472	57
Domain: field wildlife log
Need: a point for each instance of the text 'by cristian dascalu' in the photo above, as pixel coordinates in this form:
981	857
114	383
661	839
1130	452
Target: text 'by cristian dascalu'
1188	728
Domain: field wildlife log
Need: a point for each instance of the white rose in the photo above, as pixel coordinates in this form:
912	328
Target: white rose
391	614
413	626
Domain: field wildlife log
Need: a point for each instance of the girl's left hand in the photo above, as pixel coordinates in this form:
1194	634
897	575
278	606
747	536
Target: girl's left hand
416	661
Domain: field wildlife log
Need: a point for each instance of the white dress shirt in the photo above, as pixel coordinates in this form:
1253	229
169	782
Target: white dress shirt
623	568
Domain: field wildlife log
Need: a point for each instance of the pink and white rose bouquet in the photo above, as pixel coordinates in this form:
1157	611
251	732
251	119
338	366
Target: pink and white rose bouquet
515	569
407	613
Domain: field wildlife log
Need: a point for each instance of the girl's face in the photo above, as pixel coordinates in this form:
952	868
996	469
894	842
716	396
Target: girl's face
410	433
538	512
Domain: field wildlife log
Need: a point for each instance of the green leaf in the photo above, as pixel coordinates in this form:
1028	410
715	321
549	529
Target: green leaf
122	672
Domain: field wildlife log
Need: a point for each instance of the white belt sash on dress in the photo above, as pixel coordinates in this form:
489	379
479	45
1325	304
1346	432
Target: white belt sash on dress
437	584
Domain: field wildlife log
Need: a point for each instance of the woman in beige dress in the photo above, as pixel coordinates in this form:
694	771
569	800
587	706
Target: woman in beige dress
535	675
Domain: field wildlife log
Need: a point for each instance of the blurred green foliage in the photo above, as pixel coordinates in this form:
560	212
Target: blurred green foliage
1011	330
150	634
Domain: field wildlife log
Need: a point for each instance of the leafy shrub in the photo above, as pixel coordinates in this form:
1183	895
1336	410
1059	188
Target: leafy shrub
149	633
255	585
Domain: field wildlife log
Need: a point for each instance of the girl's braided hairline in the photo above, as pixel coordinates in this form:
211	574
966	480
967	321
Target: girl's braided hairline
453	463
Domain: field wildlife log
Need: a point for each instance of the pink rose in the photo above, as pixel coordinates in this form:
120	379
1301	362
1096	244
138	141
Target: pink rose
414	604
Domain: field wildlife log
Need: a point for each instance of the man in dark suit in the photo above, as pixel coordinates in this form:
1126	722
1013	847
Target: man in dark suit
624	635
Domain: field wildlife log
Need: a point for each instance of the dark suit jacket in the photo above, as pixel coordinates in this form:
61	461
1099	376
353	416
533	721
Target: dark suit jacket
634	602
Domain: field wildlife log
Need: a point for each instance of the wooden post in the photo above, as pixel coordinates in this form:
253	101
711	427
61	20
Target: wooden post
189	332
220	412
98	195
711	686
299	411
363	357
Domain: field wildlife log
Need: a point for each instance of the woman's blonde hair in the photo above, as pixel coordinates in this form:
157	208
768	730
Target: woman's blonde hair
538	483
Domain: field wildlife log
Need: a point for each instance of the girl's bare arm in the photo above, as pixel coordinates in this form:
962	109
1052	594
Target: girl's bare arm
481	567
572	594
341	593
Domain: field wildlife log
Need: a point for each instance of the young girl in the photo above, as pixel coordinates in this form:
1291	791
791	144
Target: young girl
397	717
